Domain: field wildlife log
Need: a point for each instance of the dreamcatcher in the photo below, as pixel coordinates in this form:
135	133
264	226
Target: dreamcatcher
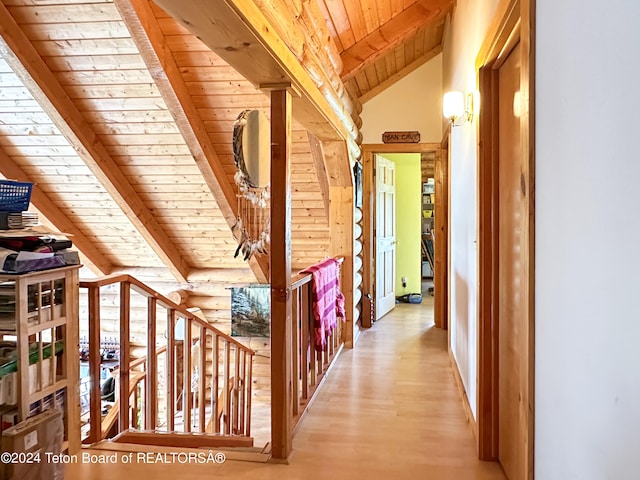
252	155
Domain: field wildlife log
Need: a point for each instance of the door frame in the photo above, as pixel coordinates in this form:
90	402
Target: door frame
513	23
368	222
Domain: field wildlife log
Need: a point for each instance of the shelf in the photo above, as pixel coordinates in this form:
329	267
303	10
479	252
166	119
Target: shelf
46	374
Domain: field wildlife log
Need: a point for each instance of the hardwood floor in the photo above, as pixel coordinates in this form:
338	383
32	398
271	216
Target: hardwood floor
390	409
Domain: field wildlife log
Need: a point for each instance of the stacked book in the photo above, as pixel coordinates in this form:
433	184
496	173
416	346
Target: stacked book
7	306
17	220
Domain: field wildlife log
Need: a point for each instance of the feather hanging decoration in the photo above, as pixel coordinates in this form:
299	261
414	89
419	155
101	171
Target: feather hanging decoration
252	227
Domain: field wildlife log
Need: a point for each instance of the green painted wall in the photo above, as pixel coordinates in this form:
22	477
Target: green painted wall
408	211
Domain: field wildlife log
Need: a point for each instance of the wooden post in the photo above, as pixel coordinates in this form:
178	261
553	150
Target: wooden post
280	273
95	433
72	367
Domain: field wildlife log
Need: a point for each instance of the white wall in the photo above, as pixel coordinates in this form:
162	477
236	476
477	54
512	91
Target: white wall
468	30
587	404
412	104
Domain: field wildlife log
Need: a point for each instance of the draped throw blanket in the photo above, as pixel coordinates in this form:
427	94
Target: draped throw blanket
328	301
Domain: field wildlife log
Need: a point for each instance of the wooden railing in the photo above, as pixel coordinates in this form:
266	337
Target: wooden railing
304	366
214	393
309	365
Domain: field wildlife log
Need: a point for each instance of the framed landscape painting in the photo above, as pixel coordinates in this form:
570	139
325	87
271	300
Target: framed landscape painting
250	311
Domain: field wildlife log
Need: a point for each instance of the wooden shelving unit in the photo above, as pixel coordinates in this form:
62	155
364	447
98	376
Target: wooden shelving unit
428	223
44	321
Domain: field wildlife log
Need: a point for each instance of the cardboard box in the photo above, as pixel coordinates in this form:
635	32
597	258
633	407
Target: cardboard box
34	437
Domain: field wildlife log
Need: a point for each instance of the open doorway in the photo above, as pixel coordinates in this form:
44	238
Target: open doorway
371	229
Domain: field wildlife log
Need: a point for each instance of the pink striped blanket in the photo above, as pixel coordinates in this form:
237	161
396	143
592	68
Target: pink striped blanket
328	301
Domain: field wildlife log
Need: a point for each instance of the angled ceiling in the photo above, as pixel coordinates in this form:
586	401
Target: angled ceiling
380	42
126	131
123	118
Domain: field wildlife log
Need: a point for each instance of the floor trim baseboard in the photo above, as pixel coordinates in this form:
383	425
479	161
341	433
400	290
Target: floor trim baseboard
463	395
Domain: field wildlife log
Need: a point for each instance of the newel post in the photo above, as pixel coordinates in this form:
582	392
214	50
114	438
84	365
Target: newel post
281	381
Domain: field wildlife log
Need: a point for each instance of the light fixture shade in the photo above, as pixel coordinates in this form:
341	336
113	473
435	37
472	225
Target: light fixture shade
453	105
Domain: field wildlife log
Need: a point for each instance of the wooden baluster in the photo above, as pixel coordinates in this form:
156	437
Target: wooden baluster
171	369
331	341
241	390
125	310
186	376
304	339
226	384
326	354
202	378
151	376
295	349
95	401
134	408
215	390
249	389
236	391
212	404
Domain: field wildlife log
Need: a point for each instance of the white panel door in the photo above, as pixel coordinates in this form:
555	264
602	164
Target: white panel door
385	235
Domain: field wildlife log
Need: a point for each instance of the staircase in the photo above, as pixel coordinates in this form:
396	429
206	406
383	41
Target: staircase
191	389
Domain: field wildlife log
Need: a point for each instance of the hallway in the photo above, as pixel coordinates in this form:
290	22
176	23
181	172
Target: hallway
390	409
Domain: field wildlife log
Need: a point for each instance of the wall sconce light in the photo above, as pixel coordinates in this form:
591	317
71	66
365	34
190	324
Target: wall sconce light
458	107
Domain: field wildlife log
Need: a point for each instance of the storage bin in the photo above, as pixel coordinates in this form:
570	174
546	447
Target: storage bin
14	196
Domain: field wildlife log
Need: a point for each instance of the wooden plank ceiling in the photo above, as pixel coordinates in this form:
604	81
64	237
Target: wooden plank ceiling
123	119
381	42
83	114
